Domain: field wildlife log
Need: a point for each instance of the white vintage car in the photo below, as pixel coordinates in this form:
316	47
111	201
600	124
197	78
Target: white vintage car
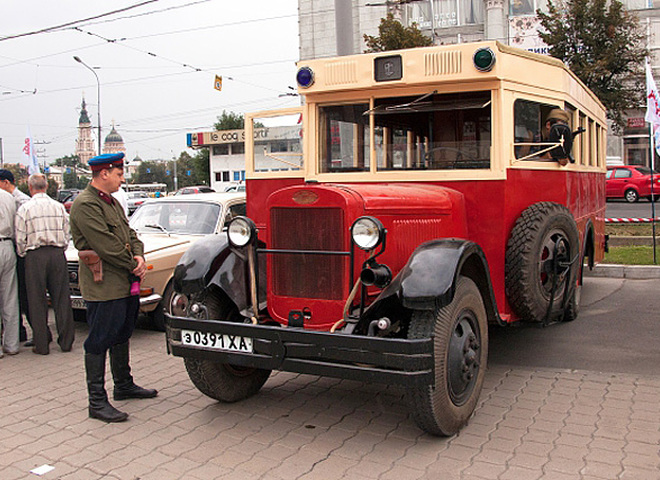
167	226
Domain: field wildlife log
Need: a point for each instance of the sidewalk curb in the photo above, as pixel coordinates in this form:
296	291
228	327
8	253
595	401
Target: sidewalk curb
636	272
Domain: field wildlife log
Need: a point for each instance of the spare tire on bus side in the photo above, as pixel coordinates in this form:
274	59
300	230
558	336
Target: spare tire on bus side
543	232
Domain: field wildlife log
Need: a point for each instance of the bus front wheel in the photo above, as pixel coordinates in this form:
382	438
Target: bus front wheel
460	343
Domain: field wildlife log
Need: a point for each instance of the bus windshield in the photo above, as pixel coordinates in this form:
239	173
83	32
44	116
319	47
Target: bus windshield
428	132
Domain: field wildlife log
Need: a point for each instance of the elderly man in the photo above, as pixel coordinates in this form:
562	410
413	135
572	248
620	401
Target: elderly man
8	282
112	264
42	236
8	184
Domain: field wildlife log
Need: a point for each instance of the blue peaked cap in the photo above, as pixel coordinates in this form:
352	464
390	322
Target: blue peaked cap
106	160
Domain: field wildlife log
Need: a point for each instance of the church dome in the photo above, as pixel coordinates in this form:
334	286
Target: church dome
113	136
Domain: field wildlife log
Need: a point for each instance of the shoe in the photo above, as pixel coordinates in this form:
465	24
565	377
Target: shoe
125	388
34	349
99	407
1	354
29	343
12	353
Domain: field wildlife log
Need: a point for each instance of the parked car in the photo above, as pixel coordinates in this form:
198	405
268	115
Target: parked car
631	182
135	199
167	226
192	190
236	187
65	193
68	201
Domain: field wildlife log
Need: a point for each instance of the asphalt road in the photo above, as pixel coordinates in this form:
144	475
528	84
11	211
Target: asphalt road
622	209
617	331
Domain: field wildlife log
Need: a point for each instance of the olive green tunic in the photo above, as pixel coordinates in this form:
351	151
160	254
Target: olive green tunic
102	227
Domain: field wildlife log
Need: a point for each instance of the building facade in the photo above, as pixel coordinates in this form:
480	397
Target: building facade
113	142
227	152
512	22
85	145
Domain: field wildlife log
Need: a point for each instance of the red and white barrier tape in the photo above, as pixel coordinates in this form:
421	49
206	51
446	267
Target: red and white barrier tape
631	220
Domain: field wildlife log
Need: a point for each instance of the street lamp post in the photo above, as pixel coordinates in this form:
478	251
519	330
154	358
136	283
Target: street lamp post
98	96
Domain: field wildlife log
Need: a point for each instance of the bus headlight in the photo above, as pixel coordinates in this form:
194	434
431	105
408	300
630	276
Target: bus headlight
241	231
367	233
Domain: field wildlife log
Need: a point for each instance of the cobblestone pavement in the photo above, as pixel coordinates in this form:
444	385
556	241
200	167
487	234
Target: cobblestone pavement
530	424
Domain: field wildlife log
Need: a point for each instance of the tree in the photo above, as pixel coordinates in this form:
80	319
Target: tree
52	188
229	121
394	36
201	165
152	172
603	44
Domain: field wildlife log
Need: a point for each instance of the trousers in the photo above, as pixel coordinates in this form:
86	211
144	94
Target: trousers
46	269
8	297
110	323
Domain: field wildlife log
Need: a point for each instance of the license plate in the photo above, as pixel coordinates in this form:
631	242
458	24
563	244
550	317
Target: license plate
216	341
78	303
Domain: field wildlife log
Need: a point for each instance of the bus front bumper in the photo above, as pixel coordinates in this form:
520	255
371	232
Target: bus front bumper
368	359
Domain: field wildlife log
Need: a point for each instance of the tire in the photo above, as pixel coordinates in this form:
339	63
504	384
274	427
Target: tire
631	196
79	315
460	341
158	315
541	229
220	381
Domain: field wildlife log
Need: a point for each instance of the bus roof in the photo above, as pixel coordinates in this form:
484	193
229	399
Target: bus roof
443	64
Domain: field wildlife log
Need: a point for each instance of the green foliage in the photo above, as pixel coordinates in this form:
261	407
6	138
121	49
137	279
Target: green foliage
70	179
201	165
632	255
604	45
392	35
68	161
230	121
20	173
52	188
189	171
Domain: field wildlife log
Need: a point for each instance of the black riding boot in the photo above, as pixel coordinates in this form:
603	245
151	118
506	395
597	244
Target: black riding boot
121	373
99	407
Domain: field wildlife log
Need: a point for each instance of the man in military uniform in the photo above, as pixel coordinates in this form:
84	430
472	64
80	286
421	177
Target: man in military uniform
111	263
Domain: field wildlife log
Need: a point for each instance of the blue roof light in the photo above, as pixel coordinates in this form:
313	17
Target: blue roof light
305	77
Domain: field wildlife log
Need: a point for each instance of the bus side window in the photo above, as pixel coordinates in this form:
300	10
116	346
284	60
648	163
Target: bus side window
529	127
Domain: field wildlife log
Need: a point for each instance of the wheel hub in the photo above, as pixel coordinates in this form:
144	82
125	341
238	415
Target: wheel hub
463	359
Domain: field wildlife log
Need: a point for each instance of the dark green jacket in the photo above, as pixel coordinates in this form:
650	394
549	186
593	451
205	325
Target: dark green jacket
99	226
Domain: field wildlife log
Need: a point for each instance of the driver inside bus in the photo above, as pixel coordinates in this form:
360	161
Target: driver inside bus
556	115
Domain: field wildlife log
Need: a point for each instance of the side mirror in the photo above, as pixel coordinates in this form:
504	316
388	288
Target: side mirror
561	133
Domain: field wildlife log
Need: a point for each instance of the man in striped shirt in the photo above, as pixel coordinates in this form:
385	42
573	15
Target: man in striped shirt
42	236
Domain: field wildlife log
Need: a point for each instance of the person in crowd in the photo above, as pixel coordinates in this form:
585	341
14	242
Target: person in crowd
42	236
8	184
122	197
112	265
9	343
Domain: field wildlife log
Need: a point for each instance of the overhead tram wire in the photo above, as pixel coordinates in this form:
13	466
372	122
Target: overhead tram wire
118	41
68	24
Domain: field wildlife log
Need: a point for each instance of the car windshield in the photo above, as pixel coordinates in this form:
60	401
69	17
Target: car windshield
176	217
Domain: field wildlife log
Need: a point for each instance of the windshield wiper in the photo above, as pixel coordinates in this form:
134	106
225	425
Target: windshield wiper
159	227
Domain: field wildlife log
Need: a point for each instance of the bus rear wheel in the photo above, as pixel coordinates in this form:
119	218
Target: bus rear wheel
460	342
541	256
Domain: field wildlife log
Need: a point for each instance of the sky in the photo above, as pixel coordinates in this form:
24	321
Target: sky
156	65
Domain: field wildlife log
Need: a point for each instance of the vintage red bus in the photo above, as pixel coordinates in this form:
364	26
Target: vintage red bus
416	197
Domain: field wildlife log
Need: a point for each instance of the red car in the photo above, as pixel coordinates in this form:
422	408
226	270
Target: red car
68	201
631	182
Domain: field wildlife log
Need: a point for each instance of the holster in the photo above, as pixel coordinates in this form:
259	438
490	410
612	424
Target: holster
93	262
